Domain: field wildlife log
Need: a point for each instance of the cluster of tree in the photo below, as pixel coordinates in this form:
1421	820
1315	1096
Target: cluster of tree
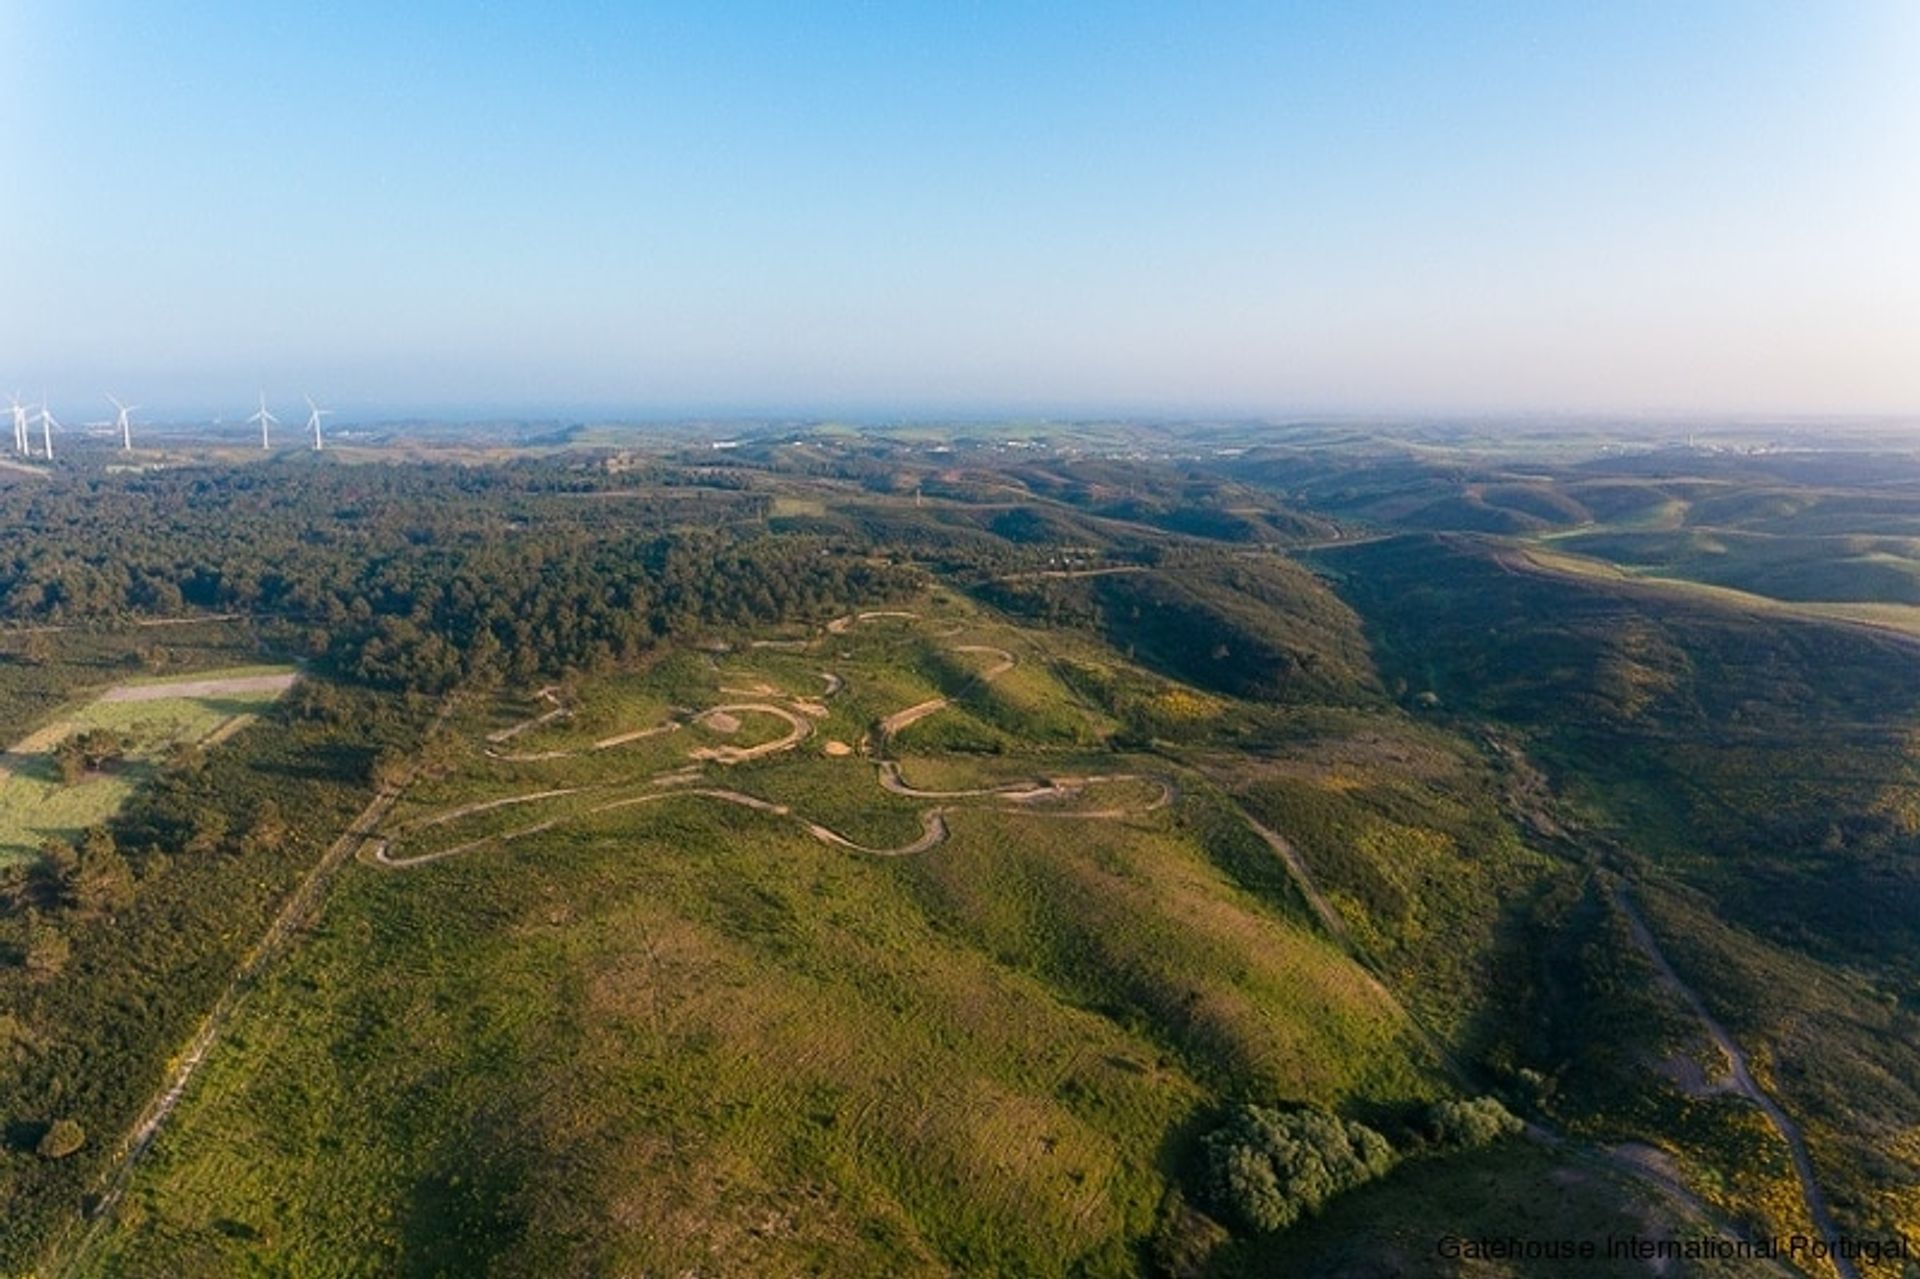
1468	1125
86	752
88	876
1265	1169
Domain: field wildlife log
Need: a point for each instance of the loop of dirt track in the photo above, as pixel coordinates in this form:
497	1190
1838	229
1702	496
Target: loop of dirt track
1025	798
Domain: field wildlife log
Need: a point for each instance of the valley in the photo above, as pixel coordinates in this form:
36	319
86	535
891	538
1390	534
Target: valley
926	882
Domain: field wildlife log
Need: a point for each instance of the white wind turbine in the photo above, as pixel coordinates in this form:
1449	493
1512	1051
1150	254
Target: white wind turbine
314	414
265	419
20	441
47	422
124	422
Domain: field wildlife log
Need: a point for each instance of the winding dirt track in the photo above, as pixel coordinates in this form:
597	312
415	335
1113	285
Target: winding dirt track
798	730
891	780
1743	1080
383	855
887	729
374	845
548	694
1023	798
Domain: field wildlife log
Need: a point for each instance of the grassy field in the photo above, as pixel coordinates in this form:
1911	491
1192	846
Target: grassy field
690	1034
35	804
622	986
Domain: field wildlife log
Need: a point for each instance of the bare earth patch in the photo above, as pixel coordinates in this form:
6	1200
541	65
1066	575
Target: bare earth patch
201	688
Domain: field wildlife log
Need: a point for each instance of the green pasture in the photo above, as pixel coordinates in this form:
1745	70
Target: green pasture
35	804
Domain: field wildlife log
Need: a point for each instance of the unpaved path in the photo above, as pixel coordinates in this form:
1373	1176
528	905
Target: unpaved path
1037	791
549	694
1303	880
201	688
190	619
841	625
933	827
299	907
933	831
898	722
892	780
468	810
638	734
1025	798
1743	1080
798	730
1004	660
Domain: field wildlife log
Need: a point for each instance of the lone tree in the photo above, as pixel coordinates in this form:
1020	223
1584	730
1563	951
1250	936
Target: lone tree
61	1139
1265	1169
87	752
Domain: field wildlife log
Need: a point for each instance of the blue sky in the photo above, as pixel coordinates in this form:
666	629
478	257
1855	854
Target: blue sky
907	208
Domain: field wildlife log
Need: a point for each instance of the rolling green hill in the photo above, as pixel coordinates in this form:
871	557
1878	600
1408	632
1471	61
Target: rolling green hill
941	852
775	1052
1756	773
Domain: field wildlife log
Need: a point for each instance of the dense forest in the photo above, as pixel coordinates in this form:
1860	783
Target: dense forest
421	577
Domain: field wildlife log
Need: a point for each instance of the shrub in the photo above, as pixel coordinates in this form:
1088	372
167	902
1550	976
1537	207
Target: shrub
1471	1124
1267	1168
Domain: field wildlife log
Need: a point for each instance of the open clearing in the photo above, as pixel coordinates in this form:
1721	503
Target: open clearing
669	784
150	718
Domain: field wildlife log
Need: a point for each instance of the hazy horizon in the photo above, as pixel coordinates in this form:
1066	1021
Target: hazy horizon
750	211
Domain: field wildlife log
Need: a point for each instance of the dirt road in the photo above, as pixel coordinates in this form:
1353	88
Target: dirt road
1743	1080
201	688
299	907
1014	797
557	709
1303	880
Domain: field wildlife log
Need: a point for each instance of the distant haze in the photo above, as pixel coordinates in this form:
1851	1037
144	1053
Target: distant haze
1249	208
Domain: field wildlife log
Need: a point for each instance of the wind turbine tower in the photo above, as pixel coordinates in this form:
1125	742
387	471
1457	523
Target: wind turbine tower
47	423
21	444
265	419
314	414
124	422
